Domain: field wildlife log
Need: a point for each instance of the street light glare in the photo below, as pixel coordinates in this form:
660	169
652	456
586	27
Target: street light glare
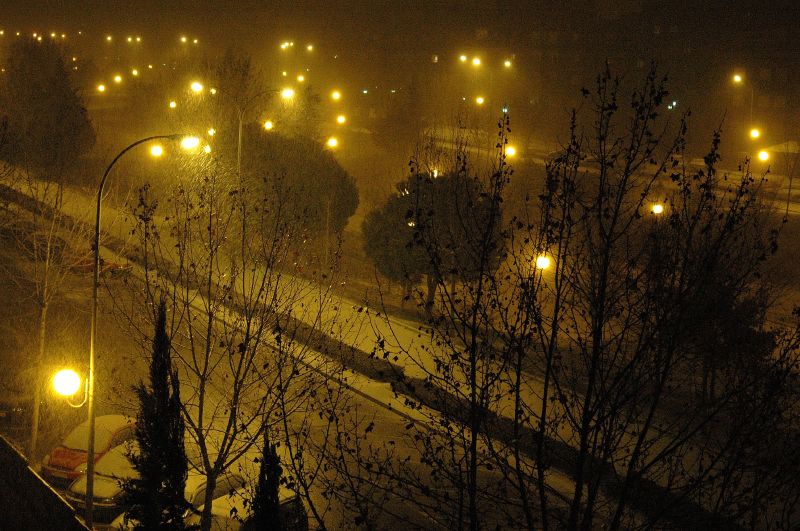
763	156
157	150
268	125
117	79
101	88
543	262
332	142
301	78
207	149
336	95
479	100
310	47
212	131
511	151
341	119
134	72
173	104
462	58
66	382
657	209
196	87
755	133
190	142
476	61
287	93
507	63
737	78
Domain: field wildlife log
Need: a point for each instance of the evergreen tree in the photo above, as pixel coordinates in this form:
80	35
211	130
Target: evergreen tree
266	502
156	499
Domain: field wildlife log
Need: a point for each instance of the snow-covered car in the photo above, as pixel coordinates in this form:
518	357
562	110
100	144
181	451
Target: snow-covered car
115	468
231	512
67	461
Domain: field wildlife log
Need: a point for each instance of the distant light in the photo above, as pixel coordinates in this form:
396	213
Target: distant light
134	72
207	149
301	78
511	151
268	125
63	35
755	133
52	35
341	119
117	79
172	104
479	100
507	63
196	87
39	38
190	142
435	59
462	58
156	150
183	39
101	88
310	47
365	91
657	209
211	131
476	61
108	38
66	382
284	73
287	93
332	142
435	173
213	90
505	108
543	262
138	39
336	95
195	41
737	78
150	67
763	156
291	43
130	39
411	223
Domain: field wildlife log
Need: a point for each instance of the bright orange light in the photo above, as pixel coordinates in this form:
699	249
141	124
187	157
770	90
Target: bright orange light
301	78
657	209
117	79
108	38
287	93
332	142
462	58
310	47
511	151
156	150
134	72
341	119
173	104
737	78
207	149
479	100
190	142
507	63
101	88
268	125
755	133
476	61
543	262
66	382
212	131
336	95
763	156
183	39
196	87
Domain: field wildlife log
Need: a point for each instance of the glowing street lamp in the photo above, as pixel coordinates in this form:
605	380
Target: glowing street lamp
173	104
462	58
134	72
507	63
66	382
341	119
657	209
476	61
101	88
268	125
737	78
211	131
763	156
196	87
287	93
542	262
157	150
332	142
190	142
117	79
310	47
301	78
479	100
511	151
755	133
336	95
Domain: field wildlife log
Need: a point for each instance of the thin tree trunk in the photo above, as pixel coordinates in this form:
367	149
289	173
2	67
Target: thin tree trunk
37	382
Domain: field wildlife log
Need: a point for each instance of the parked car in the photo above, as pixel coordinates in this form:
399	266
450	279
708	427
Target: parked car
107	268
231	512
67	461
114	468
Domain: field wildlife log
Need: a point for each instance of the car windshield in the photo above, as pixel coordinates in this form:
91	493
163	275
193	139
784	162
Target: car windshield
105	428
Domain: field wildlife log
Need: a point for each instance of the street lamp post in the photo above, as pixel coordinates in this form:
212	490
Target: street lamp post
93	328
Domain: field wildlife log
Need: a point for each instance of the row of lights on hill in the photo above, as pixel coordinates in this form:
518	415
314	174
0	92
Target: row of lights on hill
476	61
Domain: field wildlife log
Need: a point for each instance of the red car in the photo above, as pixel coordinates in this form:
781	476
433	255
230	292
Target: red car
67	461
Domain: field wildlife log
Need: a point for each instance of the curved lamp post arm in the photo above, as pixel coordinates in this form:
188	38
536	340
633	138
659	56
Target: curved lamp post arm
93	329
